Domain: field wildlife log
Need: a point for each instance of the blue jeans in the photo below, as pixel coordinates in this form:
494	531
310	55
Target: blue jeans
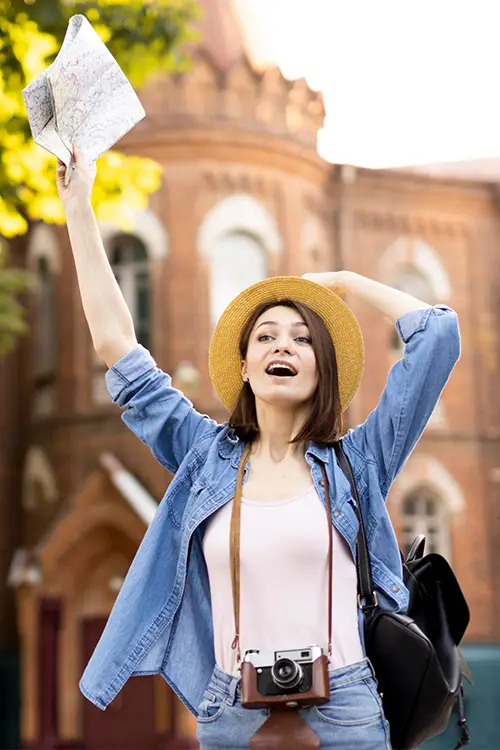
353	718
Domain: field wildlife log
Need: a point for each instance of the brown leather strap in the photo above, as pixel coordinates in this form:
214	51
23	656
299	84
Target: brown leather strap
328	505
234	551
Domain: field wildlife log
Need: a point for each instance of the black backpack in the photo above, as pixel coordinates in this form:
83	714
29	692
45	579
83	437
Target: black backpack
416	656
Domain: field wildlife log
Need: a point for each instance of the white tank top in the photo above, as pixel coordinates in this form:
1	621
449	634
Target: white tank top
283	580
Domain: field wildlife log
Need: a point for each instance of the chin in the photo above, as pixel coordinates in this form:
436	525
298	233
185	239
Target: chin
284	399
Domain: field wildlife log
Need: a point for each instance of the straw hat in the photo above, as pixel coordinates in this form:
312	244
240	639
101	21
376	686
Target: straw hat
224	356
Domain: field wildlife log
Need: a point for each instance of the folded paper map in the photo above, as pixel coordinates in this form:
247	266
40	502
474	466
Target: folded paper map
83	98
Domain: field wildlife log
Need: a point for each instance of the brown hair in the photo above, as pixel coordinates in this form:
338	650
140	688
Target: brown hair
324	423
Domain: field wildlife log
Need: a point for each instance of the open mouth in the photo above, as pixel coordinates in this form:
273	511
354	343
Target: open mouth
281	370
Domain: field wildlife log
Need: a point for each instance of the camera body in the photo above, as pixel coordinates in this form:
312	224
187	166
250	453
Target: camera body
284	672
292	678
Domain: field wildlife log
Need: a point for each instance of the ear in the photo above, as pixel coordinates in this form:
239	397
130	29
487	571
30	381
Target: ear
244	374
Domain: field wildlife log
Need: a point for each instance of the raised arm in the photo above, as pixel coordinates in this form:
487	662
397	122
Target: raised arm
109	319
390	302
415	383
158	413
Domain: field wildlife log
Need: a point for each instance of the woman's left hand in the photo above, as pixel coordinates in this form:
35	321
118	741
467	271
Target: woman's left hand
337	281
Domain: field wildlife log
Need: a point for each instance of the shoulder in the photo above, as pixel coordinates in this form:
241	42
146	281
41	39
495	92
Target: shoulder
218	443
361	460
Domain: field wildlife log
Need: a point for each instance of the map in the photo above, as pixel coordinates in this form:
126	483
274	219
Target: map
83	98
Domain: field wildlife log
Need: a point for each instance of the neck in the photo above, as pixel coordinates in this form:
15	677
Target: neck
277	427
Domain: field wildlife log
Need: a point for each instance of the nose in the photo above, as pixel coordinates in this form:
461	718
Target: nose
283	348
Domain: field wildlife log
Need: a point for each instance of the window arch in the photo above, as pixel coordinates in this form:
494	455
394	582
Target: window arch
238	260
236	237
413	266
144	224
39	481
410	279
408	252
129	261
42	243
425	478
45	325
239	213
424	512
414	276
44	262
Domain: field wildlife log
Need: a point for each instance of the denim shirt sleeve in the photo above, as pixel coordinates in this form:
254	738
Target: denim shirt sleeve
412	391
160	415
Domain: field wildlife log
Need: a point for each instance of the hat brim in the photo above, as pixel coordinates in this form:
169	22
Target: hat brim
224	355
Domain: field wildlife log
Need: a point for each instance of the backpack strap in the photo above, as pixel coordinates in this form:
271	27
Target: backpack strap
367	598
462	721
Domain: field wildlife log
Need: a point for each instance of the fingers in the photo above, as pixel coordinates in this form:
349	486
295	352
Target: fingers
78	156
61	173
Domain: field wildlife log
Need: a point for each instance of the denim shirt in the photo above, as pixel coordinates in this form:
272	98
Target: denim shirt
161	622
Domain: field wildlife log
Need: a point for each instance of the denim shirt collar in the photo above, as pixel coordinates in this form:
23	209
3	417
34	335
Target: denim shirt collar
231	447
320	452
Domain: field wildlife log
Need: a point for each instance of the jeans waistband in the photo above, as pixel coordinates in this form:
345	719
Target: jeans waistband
227	687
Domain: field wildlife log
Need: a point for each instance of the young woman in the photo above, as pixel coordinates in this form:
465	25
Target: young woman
286	359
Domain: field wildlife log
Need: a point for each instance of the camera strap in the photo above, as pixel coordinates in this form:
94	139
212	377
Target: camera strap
234	546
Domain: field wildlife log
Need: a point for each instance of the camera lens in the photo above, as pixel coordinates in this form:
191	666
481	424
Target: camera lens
287	674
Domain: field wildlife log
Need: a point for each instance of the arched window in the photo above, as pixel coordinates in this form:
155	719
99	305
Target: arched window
39	480
237	260
417	266
129	261
423	512
411	280
45	319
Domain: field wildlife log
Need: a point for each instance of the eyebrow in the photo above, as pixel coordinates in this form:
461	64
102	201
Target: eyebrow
274	323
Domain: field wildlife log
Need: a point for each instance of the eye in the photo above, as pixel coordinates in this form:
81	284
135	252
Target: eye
304	339
264	337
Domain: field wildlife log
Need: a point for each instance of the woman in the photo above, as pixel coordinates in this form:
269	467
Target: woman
286	359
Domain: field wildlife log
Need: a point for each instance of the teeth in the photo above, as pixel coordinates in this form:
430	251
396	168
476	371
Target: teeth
280	366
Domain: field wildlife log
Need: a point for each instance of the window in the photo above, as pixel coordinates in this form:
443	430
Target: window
45	320
39	481
424	513
129	261
237	261
412	281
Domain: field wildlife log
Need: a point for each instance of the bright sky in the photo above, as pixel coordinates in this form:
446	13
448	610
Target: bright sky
404	81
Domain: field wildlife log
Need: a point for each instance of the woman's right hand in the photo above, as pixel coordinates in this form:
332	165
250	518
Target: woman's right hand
80	185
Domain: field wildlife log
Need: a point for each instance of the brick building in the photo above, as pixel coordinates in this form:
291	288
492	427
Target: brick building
244	195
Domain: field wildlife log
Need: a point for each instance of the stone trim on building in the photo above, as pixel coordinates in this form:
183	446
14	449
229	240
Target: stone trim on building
239	213
147	226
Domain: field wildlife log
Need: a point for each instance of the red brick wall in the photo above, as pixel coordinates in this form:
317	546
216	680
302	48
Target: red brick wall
458	221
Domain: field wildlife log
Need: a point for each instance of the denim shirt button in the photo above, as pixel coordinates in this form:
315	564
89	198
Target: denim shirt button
395	589
321	483
336	513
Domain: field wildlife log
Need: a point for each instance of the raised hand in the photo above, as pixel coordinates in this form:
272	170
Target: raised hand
82	179
337	281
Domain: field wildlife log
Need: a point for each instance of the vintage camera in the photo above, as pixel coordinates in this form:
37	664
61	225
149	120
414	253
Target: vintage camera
297	677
